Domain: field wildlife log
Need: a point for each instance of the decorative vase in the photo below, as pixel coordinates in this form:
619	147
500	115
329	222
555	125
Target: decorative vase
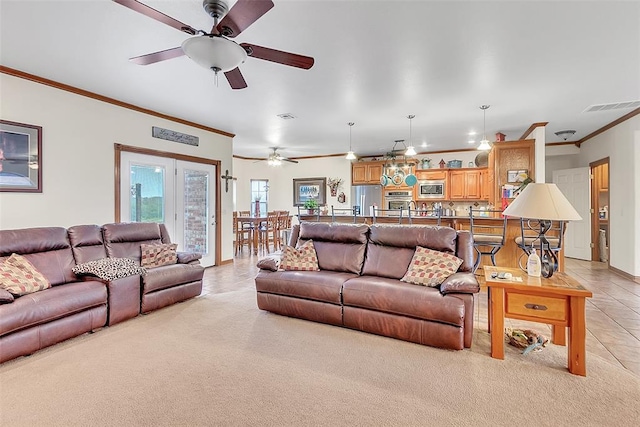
311	211
256	209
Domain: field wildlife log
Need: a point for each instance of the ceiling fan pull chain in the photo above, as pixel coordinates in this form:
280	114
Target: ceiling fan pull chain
215	75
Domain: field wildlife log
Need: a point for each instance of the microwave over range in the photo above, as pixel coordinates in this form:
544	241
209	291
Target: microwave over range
432	189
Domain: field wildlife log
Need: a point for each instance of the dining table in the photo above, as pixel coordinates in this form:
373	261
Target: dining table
254	222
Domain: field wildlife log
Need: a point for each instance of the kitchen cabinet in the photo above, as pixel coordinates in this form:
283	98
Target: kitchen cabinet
366	173
509	156
465	184
432	174
485	185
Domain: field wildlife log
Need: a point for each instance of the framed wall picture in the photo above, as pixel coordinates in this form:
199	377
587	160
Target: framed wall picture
20	157
516	176
309	189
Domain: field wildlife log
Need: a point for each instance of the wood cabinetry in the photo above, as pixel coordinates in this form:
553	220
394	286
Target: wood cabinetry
465	184
432	174
509	156
366	173
485	184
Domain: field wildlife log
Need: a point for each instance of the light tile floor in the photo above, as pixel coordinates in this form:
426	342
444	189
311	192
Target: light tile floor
613	314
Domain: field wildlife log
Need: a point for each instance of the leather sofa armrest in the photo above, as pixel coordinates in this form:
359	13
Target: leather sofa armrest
461	283
5	296
270	263
188	257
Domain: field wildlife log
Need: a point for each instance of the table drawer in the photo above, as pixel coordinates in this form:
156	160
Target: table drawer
536	306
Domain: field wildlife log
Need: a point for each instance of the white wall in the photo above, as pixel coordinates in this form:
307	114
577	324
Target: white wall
622	145
554	163
78	156
281	180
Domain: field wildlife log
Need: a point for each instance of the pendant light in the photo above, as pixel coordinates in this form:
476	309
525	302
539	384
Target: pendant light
411	151
350	155
484	144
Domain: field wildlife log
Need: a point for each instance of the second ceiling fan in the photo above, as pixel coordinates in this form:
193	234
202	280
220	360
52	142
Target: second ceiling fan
214	49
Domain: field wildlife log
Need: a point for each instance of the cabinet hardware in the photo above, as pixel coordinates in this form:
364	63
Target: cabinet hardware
535	307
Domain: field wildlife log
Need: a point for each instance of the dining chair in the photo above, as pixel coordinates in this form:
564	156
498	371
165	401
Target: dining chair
268	232
242	234
283	228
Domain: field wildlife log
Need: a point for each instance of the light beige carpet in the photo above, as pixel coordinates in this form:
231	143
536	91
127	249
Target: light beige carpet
218	360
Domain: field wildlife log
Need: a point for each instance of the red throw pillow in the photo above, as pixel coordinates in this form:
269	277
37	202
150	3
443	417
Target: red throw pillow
430	268
303	258
158	255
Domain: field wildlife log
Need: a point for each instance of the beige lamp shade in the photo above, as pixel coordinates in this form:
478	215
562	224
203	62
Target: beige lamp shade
542	201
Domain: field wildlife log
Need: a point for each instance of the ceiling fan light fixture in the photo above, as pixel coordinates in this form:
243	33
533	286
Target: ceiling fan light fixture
484	143
214	52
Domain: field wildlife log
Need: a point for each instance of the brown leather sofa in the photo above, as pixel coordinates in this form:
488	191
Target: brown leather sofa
358	285
74	304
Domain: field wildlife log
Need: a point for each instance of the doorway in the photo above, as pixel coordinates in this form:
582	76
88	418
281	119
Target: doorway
600	210
574	184
179	191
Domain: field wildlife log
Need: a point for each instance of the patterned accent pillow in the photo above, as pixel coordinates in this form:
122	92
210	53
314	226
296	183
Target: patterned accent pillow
431	268
109	268
158	255
303	258
20	277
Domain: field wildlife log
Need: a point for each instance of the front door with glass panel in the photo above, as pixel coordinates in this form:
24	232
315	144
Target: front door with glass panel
179	194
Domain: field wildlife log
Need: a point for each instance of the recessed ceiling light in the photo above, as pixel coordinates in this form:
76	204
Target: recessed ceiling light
286	116
424	144
472	133
472	141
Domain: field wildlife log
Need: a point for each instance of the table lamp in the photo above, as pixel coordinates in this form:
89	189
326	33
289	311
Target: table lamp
546	203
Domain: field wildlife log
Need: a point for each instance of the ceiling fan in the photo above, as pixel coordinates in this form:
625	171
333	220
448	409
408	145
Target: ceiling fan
214	49
276	159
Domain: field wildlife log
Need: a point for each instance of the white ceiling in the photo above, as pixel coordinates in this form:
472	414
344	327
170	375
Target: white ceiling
375	63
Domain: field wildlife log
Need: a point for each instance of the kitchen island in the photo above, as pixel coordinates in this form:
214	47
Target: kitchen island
508	256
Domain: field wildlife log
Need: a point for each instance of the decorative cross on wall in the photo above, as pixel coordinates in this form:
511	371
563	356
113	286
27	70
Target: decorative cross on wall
226	178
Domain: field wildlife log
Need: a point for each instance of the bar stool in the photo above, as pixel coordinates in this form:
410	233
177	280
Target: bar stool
387	213
343	212
488	237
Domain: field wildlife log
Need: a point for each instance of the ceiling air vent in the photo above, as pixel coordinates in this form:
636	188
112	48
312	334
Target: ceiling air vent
286	116
612	106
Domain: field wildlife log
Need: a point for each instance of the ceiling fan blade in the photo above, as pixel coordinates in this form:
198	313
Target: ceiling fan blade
152	58
273	55
157	15
288	160
235	79
241	16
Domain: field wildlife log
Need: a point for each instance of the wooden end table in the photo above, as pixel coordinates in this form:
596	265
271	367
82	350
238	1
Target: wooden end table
558	301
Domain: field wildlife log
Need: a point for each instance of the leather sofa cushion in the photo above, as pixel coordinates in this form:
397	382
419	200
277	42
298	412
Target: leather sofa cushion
441	239
87	243
50	304
47	248
395	297
123	240
339	247
387	261
391	247
313	285
168	276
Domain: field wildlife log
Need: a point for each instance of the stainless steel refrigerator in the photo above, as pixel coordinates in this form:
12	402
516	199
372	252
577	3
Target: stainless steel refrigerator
365	196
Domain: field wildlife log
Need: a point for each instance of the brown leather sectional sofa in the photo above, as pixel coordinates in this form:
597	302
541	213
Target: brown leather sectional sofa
358	285
78	304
